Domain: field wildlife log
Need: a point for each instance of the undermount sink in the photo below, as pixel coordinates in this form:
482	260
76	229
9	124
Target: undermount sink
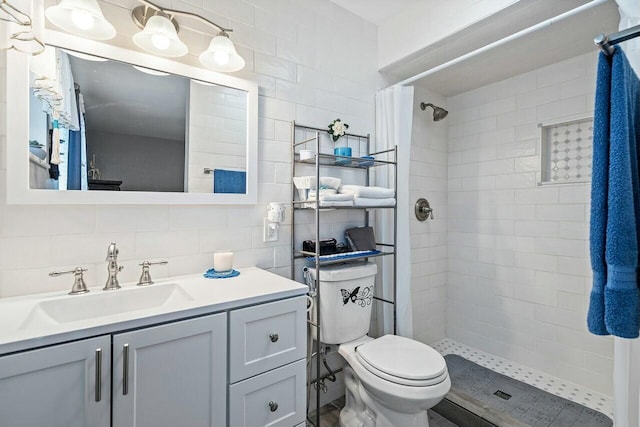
104	303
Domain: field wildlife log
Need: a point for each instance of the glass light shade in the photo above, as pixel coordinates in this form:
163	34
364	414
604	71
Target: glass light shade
81	17
221	55
160	38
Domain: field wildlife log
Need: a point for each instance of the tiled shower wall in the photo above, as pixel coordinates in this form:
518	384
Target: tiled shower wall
428	179
314	62
519	276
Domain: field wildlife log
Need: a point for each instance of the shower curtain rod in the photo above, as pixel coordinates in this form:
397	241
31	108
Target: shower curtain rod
505	40
606	43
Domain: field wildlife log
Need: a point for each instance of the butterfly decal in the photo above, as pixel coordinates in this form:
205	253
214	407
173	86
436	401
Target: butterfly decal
349	295
357	296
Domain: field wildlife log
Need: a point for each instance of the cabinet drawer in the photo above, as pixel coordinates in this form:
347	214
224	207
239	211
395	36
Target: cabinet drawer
273	399
266	336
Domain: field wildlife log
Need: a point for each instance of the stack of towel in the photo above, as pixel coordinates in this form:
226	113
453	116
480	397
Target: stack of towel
364	196
329	197
328	193
331	193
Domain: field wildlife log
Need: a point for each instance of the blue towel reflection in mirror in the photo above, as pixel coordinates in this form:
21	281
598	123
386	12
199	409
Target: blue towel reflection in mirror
229	181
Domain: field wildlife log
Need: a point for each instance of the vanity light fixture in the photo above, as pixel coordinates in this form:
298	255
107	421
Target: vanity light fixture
160	30
81	17
160	37
221	55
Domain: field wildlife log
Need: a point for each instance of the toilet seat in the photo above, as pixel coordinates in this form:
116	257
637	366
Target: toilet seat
402	361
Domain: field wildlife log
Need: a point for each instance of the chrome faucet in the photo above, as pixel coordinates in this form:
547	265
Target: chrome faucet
112	268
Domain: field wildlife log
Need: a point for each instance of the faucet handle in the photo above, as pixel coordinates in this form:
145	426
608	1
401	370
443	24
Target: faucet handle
145	277
112	252
79	285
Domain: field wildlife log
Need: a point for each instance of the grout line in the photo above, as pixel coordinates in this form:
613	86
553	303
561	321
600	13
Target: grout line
561	388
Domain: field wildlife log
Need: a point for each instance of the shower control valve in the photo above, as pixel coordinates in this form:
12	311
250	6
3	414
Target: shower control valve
423	210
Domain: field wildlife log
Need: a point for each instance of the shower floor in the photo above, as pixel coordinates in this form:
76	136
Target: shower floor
556	386
479	394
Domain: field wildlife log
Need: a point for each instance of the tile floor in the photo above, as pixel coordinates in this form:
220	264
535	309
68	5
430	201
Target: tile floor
576	393
559	387
329	416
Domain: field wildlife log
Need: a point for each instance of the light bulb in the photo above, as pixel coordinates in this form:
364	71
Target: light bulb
82	19
221	58
160	41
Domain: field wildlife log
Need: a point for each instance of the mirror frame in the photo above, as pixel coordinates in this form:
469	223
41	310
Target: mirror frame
17	90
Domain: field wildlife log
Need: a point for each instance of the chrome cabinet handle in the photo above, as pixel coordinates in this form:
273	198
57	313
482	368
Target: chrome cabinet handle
274	338
98	379
125	370
273	406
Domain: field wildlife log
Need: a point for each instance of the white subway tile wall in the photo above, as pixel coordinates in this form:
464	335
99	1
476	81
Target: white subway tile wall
428	179
519	278
314	62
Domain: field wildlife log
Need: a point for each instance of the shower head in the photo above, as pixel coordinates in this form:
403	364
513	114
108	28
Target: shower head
439	113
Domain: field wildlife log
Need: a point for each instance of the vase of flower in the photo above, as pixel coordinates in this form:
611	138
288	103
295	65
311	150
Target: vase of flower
338	129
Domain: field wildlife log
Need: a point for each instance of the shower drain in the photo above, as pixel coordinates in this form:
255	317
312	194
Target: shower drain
502	395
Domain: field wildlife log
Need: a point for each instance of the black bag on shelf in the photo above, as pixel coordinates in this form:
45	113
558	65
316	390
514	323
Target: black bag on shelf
327	246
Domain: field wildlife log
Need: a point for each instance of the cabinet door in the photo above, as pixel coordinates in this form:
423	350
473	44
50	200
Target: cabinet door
66	385
266	336
274	399
171	375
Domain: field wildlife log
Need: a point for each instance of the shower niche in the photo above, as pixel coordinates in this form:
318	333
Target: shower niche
565	151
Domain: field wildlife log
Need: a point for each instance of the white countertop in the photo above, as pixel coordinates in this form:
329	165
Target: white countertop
24	325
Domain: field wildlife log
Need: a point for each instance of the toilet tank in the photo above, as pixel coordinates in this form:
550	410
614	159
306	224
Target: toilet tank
346	294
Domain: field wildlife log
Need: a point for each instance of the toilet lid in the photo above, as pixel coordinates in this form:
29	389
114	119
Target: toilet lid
402	360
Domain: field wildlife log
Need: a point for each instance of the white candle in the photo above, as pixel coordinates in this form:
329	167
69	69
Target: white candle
223	261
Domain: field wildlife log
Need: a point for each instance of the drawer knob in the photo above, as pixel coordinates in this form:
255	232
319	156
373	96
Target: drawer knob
274	338
273	406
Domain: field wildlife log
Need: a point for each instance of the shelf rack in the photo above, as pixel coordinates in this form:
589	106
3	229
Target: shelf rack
320	161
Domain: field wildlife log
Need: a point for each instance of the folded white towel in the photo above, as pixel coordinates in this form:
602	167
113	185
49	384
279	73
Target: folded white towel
331	204
326	182
333	197
368	192
324	192
368	202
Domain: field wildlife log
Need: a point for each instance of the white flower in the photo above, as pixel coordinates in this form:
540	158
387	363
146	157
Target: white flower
338	128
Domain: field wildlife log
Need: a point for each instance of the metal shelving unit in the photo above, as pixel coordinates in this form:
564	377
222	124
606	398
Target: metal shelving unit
324	161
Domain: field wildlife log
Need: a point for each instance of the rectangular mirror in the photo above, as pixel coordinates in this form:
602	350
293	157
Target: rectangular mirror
125	127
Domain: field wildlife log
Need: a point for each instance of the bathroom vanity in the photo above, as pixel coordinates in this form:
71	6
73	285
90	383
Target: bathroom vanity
184	351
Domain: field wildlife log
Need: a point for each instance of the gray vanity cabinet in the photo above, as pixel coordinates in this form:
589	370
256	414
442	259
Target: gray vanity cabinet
66	385
171	375
267	343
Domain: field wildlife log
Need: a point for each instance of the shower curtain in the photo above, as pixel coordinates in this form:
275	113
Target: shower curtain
393	128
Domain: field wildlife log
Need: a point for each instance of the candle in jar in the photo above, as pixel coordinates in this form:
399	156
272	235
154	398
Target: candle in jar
223	261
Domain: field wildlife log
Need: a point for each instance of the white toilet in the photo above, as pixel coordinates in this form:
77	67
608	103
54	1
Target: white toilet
390	381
